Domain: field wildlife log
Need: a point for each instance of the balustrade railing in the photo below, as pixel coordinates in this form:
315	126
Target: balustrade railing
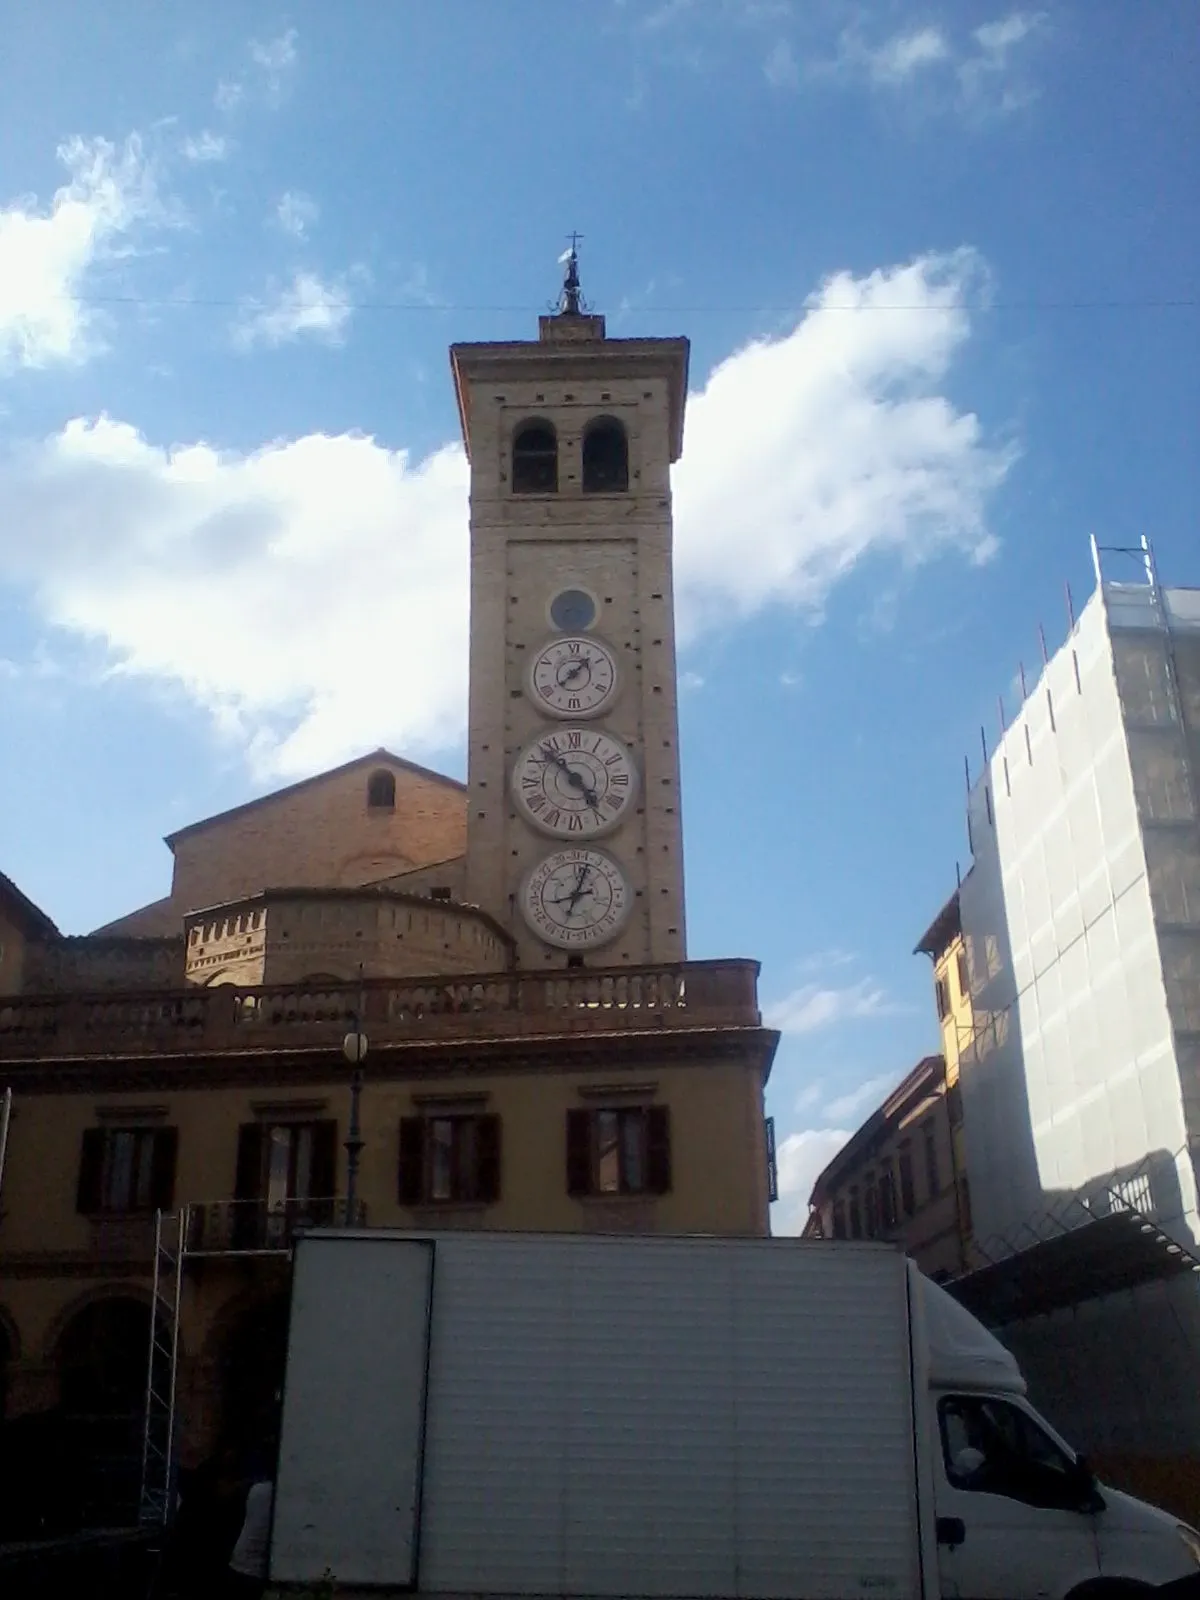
231	1227
687	994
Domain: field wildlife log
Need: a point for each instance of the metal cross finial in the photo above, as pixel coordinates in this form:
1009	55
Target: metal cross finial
571	301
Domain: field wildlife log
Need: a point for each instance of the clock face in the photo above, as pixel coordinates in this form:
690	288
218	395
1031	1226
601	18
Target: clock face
573	677
574	782
575	898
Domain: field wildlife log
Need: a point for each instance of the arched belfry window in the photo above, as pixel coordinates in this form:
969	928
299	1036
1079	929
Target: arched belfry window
381	791
605	458
535	459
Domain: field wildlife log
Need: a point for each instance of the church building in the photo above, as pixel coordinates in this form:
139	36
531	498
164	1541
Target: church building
381	996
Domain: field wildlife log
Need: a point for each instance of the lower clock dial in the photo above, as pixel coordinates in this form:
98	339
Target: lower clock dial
576	898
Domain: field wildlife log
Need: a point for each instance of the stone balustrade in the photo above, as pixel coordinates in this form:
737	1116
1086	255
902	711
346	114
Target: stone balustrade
303	1016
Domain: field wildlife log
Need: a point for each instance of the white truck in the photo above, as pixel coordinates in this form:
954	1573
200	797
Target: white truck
487	1414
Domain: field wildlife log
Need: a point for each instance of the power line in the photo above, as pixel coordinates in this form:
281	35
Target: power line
190	303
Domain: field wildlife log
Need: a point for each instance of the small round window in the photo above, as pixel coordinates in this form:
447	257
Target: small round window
572	609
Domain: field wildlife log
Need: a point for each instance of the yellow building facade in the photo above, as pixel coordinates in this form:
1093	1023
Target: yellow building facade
187	1087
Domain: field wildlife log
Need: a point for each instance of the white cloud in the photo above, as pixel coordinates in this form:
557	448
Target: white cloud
899	58
800	1160
987	77
229	94
690	681
856	1103
311	596
296	212
204	147
308	307
47	254
979	75
996	39
814	1006
272	63
780	66
833	443
275	60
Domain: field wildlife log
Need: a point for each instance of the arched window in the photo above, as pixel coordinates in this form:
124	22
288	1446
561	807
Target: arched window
381	791
605	458
535	459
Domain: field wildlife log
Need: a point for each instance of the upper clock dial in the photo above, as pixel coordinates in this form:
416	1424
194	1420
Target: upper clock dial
576	897
574	781
574	676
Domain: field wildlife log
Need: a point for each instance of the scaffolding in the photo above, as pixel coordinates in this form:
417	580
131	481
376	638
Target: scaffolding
157	1494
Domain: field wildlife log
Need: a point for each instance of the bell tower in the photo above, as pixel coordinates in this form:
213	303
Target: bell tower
574	839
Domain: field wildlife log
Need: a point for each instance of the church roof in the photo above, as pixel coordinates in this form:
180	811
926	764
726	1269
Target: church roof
32	917
374	758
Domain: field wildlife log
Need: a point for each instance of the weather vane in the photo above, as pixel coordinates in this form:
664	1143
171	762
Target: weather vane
571	302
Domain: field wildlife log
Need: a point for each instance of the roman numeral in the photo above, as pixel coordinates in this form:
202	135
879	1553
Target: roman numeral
574	740
621	778
574	823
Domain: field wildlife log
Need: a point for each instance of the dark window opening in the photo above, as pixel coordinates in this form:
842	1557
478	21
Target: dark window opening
535	459
574	961
887	1202
619	1151
964	977
446	1160
871	1209
941	992
605	458
442	892
954	1108
856	1231
381	791
839	1219
127	1170
932	1174
908	1193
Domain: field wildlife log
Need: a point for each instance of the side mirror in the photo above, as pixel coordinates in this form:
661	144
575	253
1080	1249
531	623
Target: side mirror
1091	1500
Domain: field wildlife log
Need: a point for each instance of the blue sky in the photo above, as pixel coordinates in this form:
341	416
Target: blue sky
937	264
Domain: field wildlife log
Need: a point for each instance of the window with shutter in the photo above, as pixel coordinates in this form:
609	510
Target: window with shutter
449	1160
124	1170
619	1150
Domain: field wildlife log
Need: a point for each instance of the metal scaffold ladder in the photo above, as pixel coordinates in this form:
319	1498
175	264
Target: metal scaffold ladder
158	1434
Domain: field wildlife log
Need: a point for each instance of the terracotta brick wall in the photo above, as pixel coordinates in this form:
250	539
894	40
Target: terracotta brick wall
90	963
320	835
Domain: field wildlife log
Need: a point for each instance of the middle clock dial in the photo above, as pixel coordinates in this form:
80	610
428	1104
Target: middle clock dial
574	782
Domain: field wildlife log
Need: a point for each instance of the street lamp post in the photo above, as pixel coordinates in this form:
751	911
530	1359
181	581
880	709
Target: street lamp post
354	1048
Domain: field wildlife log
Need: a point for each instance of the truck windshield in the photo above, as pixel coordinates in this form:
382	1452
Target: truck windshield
991	1446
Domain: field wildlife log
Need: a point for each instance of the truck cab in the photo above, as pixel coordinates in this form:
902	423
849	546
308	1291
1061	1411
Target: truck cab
1019	1515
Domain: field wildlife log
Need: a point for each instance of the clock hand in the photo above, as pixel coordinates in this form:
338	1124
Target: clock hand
575	669
575	779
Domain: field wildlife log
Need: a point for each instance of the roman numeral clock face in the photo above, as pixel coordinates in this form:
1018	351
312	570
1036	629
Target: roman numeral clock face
573	677
575	783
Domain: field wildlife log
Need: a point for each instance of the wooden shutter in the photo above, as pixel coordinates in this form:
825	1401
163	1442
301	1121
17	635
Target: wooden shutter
487	1154
248	1184
658	1150
88	1197
324	1160
162	1168
579	1152
412	1161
